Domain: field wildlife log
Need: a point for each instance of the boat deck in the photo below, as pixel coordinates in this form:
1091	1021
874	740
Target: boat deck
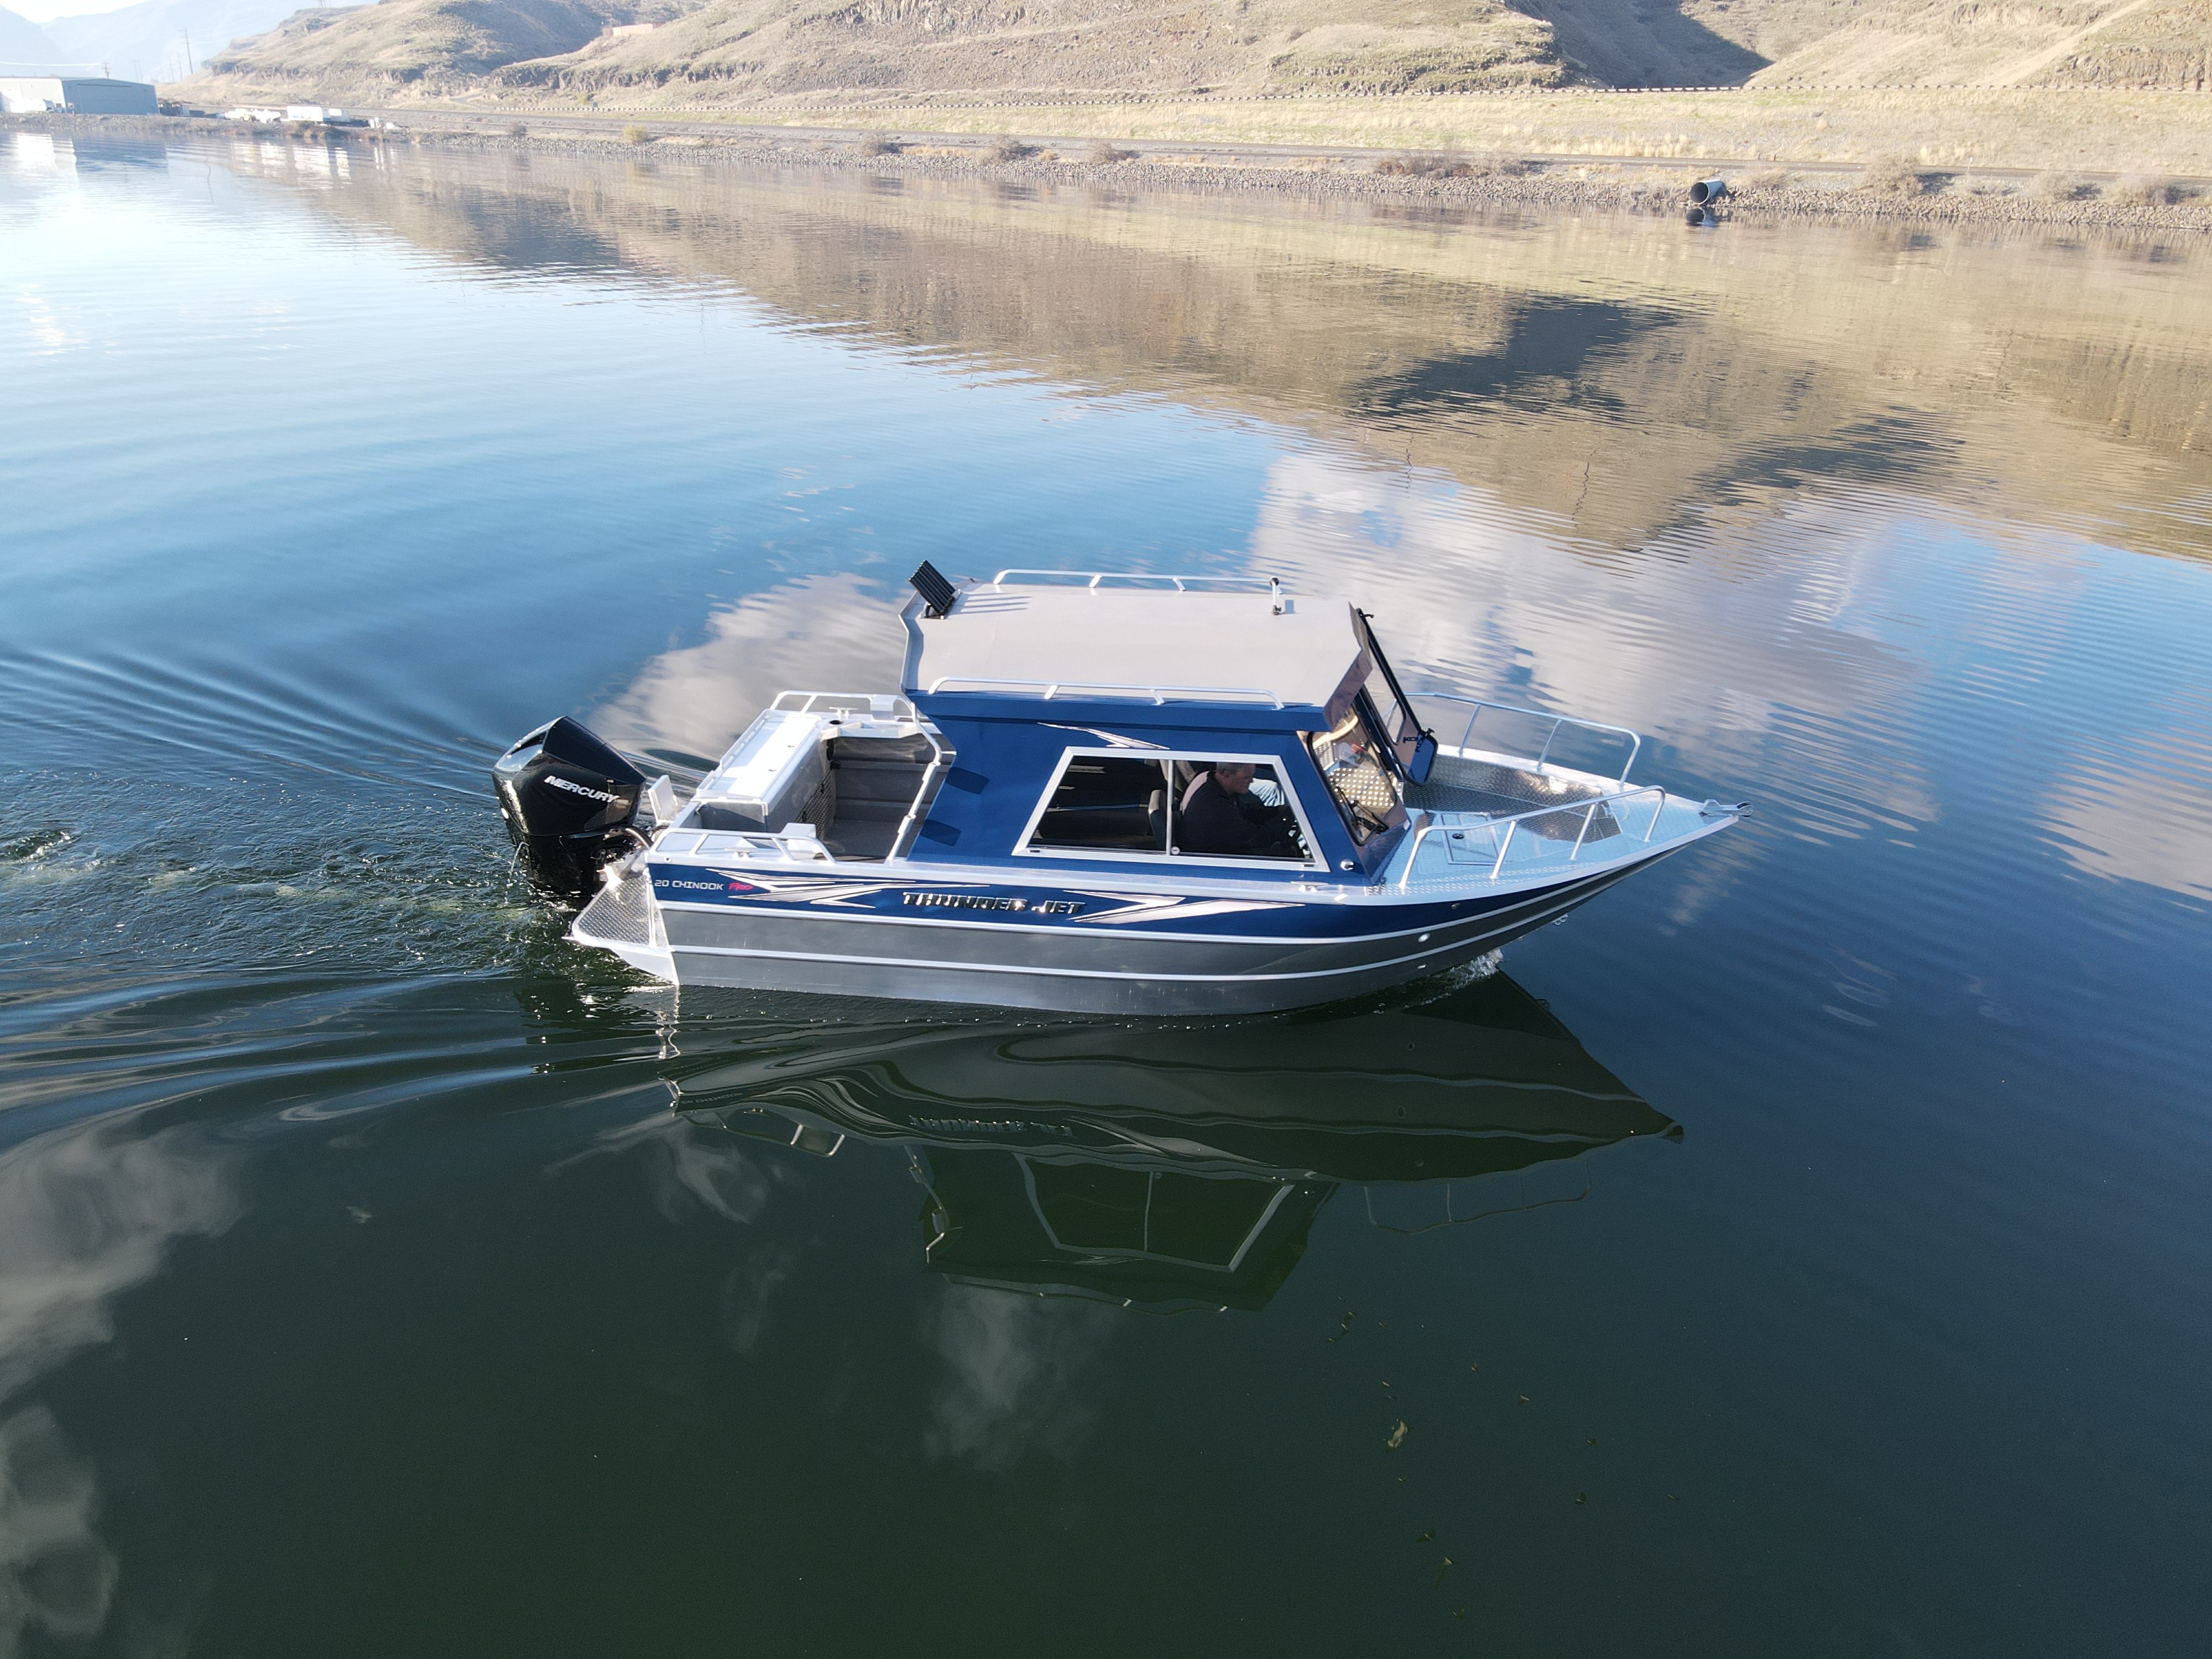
1468	783
1495	786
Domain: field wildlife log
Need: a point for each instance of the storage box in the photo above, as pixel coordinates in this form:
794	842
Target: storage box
771	777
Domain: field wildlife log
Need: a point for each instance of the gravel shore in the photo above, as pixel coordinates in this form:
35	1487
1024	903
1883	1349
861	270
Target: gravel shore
1930	196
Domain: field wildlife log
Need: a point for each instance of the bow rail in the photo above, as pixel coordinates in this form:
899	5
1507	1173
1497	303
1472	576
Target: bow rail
1480	706
1587	809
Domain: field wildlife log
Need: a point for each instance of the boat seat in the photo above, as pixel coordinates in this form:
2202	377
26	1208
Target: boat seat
876	780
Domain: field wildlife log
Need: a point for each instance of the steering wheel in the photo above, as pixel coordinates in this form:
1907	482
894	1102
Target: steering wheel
1376	823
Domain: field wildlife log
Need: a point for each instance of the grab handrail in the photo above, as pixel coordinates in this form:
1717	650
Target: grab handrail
1635	740
901	841
1159	693
1512	824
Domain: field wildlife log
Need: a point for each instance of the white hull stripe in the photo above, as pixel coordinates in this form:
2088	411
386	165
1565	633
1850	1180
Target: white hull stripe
925	965
894	919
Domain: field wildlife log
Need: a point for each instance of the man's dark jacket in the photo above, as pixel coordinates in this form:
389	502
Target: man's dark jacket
1215	821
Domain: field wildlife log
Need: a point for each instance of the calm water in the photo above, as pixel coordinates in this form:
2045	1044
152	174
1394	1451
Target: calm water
1803	1250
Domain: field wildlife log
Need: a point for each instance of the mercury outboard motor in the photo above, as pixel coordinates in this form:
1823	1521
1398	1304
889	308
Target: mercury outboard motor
568	801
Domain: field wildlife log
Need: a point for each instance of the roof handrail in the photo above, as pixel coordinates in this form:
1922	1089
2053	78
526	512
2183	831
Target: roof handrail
1092	579
1158	693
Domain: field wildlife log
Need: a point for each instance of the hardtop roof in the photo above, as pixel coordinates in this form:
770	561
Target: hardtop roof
1157	643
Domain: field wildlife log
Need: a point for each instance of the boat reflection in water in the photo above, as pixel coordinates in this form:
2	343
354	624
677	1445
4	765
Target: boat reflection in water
1183	1166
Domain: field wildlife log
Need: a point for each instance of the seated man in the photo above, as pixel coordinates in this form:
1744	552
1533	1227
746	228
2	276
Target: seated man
1219	815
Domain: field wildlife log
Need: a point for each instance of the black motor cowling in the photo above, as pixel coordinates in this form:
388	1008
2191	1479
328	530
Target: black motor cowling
568	801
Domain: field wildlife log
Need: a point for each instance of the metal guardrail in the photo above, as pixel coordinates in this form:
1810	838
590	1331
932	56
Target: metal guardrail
850	703
1158	693
1479	704
895	707
754	841
1513	823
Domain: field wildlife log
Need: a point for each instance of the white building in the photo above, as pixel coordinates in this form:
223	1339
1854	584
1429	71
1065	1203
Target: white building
34	94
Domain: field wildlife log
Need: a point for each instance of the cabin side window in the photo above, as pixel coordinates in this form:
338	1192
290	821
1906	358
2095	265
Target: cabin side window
1208	806
1229	808
1106	802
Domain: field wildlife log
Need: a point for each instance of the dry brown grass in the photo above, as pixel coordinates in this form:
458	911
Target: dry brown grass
1895	175
1497	167
2147	189
1428	164
880	143
1007	148
2060	187
1104	155
633	134
1774	179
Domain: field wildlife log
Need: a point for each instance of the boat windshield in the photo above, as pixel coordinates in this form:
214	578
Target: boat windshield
1351	756
1387	705
1374	744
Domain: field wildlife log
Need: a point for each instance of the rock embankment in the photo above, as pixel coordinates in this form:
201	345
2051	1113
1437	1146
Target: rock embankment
1882	192
1892	191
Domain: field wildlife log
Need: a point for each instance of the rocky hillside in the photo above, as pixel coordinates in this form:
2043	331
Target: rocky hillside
2167	45
1378	47
444	44
739	51
1933	43
740	48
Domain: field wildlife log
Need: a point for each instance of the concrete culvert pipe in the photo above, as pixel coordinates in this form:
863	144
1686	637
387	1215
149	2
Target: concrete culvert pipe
1707	190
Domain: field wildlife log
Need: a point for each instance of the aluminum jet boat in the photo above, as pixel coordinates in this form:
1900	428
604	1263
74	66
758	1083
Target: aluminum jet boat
1100	792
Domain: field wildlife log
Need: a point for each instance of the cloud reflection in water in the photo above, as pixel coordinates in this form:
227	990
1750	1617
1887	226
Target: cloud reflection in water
1013	1366
86	1212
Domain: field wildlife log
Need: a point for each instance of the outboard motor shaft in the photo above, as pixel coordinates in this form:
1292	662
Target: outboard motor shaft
568	801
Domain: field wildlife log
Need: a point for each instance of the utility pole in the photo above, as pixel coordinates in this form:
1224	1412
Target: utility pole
188	52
